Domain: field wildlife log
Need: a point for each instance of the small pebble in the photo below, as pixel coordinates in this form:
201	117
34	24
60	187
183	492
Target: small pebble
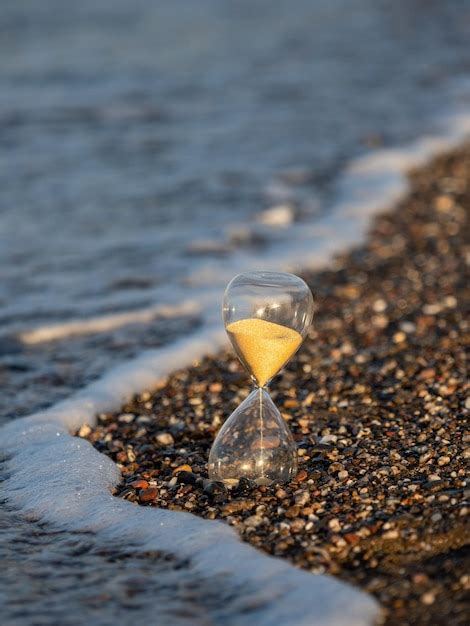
165	439
182	468
149	494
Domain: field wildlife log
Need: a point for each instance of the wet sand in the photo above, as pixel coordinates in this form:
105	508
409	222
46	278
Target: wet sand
376	399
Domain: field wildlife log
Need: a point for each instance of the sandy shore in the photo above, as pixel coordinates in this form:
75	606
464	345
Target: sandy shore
376	401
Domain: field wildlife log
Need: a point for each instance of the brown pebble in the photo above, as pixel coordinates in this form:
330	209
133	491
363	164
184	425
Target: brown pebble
165	439
182	468
147	495
237	505
290	403
293	511
428	373
352	538
140	484
301	476
428	598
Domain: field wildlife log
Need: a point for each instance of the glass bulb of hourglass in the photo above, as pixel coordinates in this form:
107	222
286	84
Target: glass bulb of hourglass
255	443
266	316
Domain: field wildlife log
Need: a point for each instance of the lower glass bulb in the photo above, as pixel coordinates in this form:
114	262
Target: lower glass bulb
254	443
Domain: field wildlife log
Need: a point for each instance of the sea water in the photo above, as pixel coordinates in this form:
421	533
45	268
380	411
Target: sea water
150	150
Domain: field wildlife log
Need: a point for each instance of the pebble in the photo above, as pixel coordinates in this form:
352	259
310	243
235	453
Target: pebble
215	488
302	498
303	475
182	468
391	534
428	598
328	439
84	431
293	511
140	484
149	494
443	460
187	477
236	506
126	418
165	439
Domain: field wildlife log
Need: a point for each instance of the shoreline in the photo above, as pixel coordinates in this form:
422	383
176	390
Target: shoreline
375	400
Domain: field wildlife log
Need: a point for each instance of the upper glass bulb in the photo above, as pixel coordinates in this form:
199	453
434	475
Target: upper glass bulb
266	316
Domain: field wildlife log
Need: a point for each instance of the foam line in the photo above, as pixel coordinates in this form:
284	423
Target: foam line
104	323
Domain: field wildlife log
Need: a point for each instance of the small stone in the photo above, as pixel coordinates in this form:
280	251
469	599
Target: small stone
420	578
182	468
253	521
291	403
334	525
126	418
328	439
121	457
140	484
148	495
293	511
407	327
443	460
428	598
379	305
352	538
215	387
237	505
187	477
302	498
84	431
165	439
391	534
302	475
245	486
335	467
444	203
380	321
215	488
399	337
428	374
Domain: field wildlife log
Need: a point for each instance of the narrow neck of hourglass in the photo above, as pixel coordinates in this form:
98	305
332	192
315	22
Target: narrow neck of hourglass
264	387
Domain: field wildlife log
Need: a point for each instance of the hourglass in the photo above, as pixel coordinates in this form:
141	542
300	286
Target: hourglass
266	316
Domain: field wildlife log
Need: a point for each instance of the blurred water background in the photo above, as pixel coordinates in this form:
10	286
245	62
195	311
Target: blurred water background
141	143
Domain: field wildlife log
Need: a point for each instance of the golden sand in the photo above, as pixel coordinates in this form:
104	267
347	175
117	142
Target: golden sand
264	347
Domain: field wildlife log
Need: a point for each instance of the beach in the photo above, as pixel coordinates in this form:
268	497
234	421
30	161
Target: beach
376	400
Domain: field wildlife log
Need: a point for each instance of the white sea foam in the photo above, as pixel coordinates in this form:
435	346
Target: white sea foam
64	481
103	323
